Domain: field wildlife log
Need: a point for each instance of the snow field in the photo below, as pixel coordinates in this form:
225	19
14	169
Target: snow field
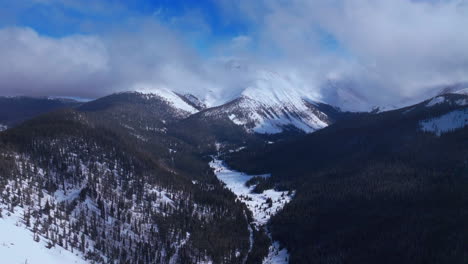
17	245
445	123
256	203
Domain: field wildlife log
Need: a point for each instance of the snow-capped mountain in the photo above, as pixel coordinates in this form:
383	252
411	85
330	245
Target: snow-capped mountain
463	91
454	99
126	178
270	105
138	111
185	104
457	118
415	155
457	88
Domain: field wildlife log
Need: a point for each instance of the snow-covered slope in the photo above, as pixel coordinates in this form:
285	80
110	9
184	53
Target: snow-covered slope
443	113
446	99
257	202
169	96
462	91
271	104
446	123
18	246
457	88
38	222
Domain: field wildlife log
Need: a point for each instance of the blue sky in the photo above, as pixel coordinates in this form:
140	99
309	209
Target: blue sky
205	24
59	18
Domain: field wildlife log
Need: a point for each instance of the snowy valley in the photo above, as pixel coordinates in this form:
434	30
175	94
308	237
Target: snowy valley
262	205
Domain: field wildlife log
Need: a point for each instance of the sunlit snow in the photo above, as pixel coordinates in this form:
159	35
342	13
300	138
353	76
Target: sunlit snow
18	247
276	255
167	95
257	203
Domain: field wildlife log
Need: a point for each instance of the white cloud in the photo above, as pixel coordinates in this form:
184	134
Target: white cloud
92	66
388	51
33	64
410	45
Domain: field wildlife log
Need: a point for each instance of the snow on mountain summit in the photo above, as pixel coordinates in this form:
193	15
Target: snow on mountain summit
271	104
271	89
457	88
277	103
170	96
462	91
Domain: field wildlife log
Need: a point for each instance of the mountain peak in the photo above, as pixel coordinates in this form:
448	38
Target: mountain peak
458	88
271	89
169	96
271	104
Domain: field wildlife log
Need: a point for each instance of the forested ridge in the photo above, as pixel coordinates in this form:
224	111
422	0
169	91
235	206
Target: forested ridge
91	186
126	179
371	189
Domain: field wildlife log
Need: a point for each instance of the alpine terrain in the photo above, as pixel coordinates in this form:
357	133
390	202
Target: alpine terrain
233	132
158	177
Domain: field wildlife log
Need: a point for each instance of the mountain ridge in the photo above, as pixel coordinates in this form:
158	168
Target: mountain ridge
139	148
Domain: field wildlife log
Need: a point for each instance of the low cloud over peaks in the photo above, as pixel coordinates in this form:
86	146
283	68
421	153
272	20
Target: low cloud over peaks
94	65
389	50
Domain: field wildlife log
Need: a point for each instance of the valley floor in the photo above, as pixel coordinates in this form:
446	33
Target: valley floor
257	203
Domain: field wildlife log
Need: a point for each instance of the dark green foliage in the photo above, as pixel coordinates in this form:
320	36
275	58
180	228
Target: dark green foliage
371	189
14	110
261	184
260	248
62	142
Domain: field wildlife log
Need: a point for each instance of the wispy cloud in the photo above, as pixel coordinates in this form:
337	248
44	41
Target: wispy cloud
385	50
392	49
